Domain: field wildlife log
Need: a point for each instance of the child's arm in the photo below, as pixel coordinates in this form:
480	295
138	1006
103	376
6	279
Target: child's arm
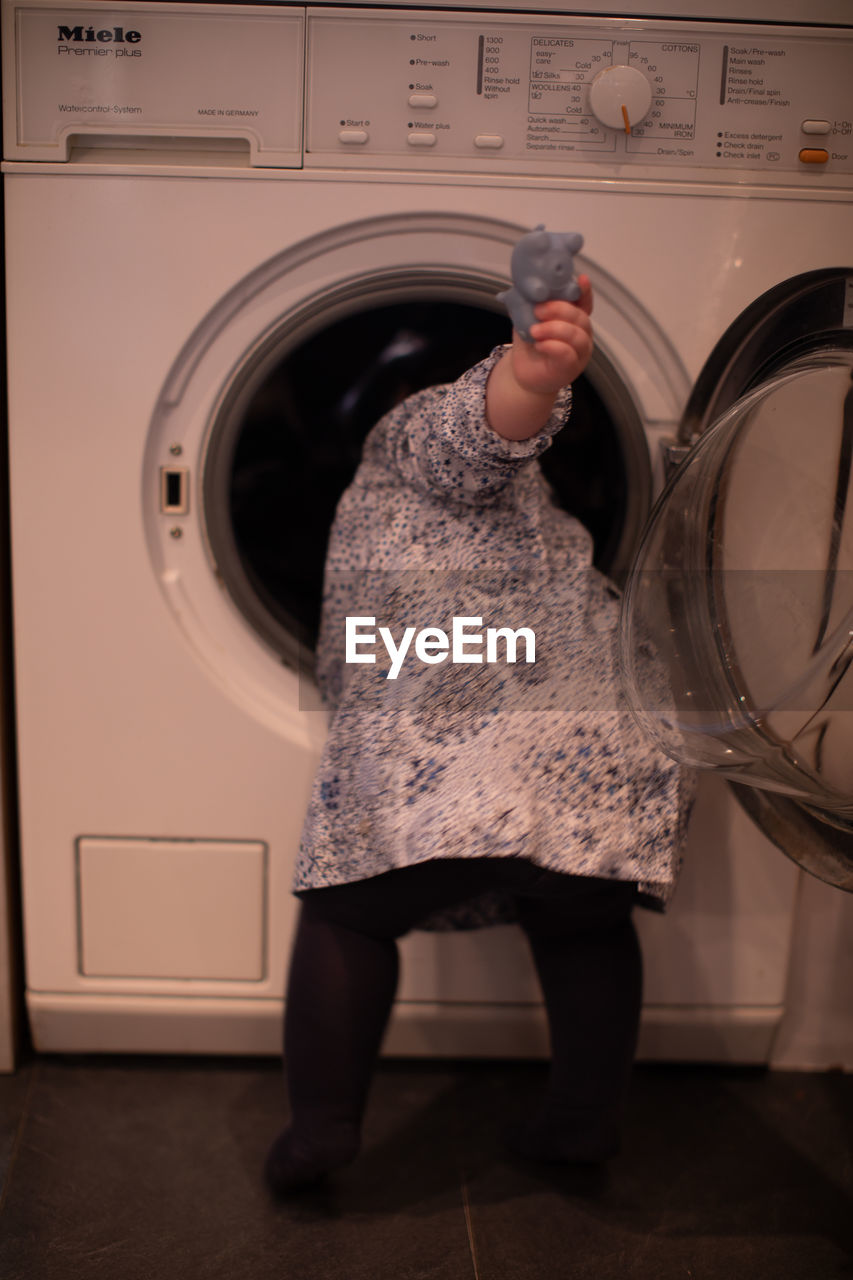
522	387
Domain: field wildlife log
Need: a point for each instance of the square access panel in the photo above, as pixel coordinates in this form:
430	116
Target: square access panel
182	909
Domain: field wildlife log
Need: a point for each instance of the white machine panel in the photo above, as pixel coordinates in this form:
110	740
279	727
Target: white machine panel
574	95
155	71
429	89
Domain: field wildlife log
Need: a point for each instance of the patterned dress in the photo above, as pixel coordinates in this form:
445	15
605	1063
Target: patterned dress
537	759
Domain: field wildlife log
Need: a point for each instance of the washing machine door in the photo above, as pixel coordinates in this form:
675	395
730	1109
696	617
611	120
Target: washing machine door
260	424
737	623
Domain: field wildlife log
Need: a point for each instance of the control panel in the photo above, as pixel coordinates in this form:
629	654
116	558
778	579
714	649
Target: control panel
574	94
442	90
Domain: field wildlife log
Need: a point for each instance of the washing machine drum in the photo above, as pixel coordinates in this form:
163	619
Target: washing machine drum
737	625
289	438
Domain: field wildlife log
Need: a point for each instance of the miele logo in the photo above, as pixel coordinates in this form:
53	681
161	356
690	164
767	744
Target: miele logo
100	42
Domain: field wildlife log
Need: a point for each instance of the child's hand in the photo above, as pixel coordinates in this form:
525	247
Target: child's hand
523	385
561	344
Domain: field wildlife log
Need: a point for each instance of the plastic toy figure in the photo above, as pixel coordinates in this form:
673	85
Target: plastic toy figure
542	267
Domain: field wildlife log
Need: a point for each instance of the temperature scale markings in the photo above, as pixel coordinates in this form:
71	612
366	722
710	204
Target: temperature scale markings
673	73
561	70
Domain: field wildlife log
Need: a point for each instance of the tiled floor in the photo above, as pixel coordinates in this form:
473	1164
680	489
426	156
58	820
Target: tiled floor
148	1169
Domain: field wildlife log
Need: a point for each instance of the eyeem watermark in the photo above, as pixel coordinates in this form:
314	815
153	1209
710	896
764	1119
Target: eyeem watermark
432	645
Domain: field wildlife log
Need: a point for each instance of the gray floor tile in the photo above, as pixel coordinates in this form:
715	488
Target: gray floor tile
13	1104
140	1168
743	1175
153	1169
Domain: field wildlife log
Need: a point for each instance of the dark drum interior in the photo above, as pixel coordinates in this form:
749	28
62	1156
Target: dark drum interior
299	437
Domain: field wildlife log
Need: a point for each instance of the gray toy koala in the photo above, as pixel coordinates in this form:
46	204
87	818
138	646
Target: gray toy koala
542	267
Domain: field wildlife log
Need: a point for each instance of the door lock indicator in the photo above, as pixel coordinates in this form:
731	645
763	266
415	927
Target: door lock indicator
174	491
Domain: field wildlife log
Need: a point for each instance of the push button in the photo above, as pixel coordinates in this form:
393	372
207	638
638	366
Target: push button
488	141
418	138
353	137
423	100
814	155
816	126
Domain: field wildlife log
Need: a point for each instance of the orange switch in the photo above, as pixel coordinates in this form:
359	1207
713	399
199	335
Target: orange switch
814	155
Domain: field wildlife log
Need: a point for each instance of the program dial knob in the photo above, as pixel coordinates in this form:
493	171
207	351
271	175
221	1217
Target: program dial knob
620	97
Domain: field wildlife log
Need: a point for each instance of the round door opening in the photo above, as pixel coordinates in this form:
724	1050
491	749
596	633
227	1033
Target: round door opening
289	435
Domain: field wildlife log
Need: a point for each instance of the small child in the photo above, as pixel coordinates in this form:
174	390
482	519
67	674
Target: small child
521	787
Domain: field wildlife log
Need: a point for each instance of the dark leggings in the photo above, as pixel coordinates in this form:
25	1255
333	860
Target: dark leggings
343	979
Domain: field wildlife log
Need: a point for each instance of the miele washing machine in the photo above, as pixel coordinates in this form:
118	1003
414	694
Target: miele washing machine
234	235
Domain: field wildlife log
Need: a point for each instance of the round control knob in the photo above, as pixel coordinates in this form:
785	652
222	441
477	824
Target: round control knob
620	97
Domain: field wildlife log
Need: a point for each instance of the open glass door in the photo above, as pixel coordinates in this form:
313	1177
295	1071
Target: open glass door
737	624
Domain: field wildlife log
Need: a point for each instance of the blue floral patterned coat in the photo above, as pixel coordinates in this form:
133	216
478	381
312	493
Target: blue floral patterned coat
541	759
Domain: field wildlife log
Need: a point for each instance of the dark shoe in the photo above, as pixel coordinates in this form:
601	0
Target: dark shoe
296	1164
575	1135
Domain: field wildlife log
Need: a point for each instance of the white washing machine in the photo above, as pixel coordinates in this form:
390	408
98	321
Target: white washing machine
234	234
